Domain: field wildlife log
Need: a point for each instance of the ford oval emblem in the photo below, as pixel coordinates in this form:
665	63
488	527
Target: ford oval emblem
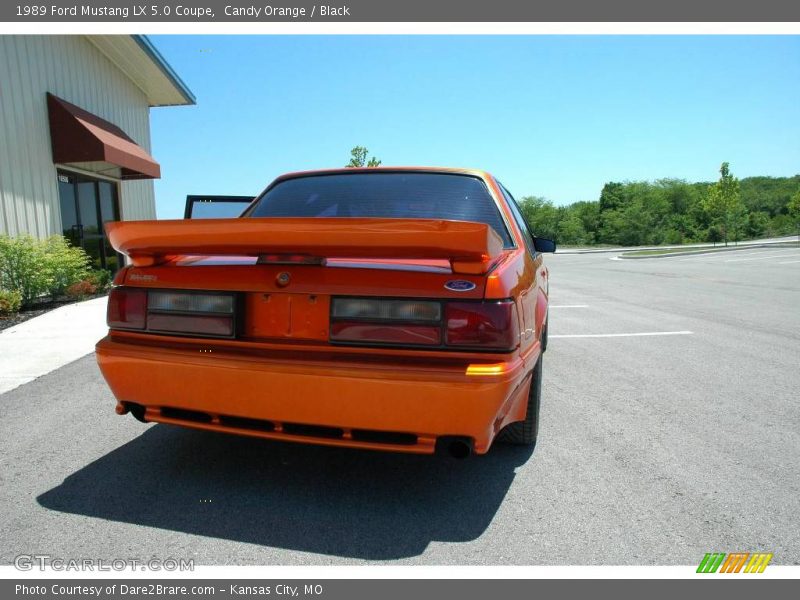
459	285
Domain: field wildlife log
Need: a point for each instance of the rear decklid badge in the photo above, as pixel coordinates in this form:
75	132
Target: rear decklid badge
459	285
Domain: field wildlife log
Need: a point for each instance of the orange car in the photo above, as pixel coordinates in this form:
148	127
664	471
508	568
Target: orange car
400	309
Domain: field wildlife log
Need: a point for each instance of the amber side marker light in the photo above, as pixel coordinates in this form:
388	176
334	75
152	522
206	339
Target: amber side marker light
495	369
169	311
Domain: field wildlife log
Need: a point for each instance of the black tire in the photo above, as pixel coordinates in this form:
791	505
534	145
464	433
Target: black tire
524	433
544	333
137	412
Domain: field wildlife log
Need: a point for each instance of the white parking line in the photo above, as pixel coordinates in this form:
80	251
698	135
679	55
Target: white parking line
789	262
569	306
782	255
608	335
720	254
737	253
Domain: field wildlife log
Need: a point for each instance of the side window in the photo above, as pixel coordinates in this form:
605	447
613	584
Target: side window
526	232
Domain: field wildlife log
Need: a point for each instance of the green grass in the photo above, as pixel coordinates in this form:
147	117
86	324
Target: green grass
704	249
677	250
582	246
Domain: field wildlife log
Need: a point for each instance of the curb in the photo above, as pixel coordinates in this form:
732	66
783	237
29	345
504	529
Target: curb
710	250
700	248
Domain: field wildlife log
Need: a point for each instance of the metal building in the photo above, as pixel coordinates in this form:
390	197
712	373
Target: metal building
75	134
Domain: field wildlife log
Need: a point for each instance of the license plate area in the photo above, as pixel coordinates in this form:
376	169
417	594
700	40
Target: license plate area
287	316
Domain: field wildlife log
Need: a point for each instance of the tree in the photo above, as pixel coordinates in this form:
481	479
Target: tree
713	235
612	196
358	158
540	215
724	205
672	211
794	211
570	229
757	223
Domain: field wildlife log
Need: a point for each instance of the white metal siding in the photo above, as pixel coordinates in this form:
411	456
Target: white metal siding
73	69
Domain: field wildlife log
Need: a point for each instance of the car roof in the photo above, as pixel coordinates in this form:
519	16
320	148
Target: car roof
349	170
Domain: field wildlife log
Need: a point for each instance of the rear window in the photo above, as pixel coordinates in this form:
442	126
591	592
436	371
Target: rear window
384	195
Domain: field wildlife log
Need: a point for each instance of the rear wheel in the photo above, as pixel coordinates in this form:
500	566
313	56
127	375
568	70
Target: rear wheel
137	411
524	432
544	334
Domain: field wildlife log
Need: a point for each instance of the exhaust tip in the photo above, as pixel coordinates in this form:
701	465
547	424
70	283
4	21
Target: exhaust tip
459	450
455	447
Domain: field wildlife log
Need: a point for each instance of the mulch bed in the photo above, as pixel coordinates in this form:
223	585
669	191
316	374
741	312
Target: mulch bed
39	309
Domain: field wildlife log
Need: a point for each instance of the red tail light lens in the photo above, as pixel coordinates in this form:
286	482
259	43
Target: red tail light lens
482	324
127	308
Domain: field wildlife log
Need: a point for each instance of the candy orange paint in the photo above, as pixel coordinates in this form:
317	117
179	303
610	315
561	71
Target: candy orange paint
388	331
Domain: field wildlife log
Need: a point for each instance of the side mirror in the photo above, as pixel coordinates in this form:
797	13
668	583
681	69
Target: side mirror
544	245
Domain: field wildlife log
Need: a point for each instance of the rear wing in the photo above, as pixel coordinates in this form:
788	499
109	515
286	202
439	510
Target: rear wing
470	247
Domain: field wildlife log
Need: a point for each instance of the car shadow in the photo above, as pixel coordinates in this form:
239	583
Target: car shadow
334	501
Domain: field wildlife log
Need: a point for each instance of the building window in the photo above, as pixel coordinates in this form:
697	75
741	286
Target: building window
86	204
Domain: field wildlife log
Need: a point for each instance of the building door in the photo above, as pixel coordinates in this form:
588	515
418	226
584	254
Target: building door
86	204
216	207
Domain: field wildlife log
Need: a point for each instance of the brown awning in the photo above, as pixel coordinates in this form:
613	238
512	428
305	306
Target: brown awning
78	136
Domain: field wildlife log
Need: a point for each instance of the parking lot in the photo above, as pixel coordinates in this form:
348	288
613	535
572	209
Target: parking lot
670	427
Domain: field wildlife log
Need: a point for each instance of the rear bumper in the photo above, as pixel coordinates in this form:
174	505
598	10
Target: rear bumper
333	402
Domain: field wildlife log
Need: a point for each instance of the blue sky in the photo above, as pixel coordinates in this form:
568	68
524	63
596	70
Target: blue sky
553	116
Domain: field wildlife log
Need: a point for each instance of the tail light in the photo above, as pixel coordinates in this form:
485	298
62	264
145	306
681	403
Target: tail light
402	322
387	310
127	308
484	324
207	314
466	325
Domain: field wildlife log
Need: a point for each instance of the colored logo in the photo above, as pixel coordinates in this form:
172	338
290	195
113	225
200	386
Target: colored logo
459	285
737	562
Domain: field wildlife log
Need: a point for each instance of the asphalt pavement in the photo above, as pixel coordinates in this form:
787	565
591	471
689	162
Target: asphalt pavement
670	427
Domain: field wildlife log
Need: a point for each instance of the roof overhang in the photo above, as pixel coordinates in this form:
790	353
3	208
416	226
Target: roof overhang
136	56
85	140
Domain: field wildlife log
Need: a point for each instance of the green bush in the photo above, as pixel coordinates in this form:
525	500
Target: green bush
673	237
64	264
35	268
10	302
101	279
22	267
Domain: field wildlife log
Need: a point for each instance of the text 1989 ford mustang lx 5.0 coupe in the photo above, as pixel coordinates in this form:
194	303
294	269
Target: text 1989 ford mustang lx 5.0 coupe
398	309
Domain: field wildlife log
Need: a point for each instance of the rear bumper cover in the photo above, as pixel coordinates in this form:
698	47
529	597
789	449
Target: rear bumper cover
287	399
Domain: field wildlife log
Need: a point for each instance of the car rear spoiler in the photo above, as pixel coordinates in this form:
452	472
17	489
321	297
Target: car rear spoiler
470	247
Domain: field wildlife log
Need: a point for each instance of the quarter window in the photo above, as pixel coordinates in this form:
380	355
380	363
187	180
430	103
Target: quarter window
521	223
